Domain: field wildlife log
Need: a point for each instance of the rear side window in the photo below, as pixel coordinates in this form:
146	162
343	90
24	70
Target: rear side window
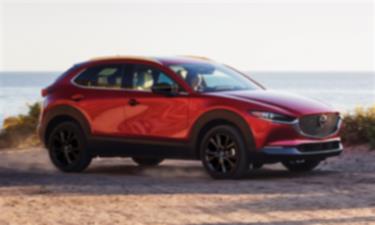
105	76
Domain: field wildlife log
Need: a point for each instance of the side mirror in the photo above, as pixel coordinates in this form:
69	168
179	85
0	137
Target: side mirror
164	89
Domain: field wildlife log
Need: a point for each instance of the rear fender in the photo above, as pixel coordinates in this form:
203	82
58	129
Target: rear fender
60	112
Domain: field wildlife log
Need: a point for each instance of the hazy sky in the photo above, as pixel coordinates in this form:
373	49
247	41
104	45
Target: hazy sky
250	35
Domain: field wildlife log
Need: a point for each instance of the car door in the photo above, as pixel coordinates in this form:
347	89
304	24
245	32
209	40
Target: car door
99	94
150	115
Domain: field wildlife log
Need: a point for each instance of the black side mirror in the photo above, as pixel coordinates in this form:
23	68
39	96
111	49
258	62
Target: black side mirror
164	89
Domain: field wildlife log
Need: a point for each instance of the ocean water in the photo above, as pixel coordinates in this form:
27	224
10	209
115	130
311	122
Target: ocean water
343	90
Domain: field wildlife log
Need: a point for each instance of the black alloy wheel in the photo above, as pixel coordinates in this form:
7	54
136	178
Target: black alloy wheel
223	153
67	148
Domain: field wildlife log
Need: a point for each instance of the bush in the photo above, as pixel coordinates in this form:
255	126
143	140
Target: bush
359	127
20	131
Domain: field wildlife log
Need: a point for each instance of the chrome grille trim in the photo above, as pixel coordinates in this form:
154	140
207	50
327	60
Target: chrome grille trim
297	127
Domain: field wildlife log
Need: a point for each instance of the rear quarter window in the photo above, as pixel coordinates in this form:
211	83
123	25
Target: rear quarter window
105	76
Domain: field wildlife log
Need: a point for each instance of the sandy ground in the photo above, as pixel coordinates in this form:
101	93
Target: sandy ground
115	191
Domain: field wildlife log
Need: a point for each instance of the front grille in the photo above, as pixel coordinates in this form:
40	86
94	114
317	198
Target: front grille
314	147
320	125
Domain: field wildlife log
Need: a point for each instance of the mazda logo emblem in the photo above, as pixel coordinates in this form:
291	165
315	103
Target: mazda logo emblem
322	120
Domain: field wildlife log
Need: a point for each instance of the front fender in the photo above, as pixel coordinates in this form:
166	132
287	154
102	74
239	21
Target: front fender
222	115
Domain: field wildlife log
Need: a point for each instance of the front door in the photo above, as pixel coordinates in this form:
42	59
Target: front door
150	115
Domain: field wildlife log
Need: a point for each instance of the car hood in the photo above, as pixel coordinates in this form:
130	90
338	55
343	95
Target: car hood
293	103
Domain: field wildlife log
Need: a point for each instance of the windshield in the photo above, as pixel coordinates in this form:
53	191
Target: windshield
203	77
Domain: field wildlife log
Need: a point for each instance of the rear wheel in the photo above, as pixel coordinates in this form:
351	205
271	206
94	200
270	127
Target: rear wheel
223	153
68	148
301	165
147	161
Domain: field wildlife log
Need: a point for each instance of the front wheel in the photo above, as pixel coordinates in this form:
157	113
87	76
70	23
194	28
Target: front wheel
223	153
68	149
301	165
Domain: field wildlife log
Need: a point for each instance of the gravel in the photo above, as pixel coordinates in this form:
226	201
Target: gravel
116	191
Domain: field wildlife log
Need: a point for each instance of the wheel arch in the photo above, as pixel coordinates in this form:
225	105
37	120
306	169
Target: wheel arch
60	114
219	117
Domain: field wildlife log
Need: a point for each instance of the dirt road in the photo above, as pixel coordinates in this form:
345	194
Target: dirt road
115	191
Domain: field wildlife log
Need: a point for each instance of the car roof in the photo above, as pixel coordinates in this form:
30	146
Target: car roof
119	57
160	60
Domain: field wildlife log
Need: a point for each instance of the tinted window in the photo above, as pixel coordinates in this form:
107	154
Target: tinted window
203	77
144	77
107	76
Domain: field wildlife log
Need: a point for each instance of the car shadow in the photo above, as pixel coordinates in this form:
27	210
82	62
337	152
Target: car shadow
142	180
196	172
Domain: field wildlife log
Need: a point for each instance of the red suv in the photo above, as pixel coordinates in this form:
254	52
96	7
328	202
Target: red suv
151	109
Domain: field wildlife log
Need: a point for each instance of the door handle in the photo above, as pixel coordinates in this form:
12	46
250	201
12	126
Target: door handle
133	102
77	97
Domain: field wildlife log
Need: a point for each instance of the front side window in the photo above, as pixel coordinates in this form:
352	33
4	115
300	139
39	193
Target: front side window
202	77
144	77
106	76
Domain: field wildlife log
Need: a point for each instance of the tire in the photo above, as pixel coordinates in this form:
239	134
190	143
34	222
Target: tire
67	147
147	161
301	165
224	154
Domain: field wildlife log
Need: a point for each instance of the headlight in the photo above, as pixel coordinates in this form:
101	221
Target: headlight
274	117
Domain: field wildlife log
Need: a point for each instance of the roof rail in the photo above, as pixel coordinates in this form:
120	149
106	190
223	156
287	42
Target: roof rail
123	57
197	57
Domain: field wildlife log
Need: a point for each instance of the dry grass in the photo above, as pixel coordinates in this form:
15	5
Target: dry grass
20	131
359	127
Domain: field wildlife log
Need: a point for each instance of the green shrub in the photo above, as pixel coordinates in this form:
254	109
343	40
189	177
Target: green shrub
20	131
359	127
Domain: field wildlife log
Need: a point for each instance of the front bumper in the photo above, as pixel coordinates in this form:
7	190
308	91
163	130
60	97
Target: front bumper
313	150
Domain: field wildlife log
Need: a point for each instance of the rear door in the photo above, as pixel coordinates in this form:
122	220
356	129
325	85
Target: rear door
100	96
